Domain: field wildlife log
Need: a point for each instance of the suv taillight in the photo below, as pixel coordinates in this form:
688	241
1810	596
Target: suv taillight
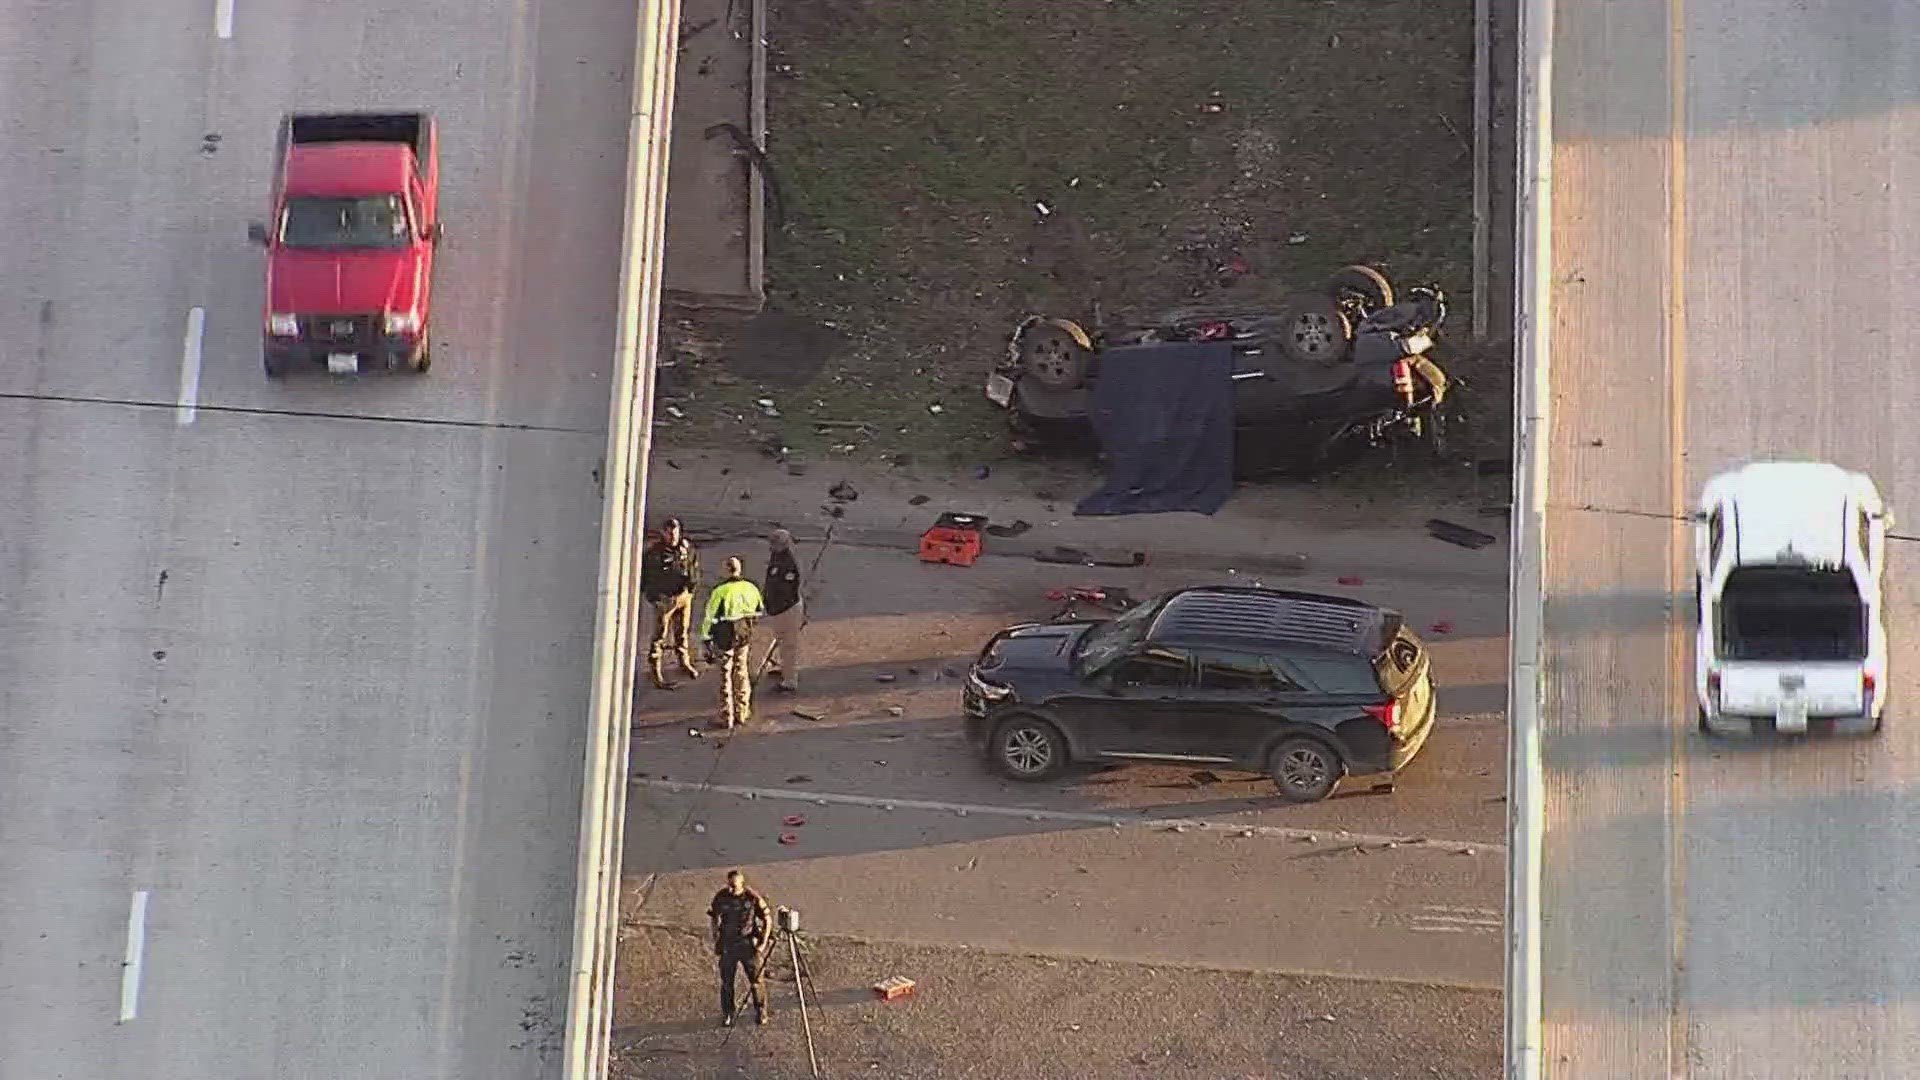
1388	714
1866	690
1713	689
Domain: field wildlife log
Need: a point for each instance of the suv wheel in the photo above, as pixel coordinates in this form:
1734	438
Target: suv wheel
1027	748
1305	770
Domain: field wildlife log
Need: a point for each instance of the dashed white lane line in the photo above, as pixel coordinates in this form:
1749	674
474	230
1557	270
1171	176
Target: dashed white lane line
136	951
1134	820
188	403
223	18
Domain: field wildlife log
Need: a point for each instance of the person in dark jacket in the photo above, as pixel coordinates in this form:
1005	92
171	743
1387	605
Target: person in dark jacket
669	575
786	611
742	925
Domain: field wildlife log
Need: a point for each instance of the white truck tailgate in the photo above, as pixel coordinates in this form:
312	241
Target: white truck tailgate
1792	692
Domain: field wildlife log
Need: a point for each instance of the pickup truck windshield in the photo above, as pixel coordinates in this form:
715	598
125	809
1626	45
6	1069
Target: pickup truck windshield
376	221
1790	613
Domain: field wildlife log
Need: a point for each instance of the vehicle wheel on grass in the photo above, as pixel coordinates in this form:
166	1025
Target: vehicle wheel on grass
1027	748
1364	280
1305	770
1313	329
1051	357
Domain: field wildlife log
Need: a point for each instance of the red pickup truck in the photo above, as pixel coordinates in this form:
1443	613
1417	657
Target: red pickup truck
351	242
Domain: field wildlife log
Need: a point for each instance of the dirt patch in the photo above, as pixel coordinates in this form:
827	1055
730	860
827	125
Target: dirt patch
950	167
978	1014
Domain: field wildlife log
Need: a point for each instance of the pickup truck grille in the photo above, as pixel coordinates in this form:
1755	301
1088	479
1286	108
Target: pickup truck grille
346	333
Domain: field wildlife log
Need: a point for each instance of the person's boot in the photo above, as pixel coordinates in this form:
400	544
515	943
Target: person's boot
687	665
760	1015
726	1019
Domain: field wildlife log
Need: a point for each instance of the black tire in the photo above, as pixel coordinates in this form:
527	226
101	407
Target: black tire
1052	358
1305	770
1313	330
273	369
1026	747
1702	722
424	360
1364	280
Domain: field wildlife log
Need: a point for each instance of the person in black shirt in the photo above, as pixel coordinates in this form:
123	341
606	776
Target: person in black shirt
786	612
741	925
669	574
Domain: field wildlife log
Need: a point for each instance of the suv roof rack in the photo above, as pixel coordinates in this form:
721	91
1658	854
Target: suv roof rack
1237	614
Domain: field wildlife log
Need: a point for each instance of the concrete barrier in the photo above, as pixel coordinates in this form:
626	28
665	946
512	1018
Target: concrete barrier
603	796
1526	603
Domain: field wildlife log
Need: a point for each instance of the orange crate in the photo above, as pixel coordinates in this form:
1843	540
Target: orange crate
955	539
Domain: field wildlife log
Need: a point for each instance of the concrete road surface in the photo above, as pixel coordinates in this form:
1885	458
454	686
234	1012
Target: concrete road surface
295	679
1734	199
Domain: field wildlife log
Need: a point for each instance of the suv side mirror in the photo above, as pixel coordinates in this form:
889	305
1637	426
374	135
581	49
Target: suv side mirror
257	232
434	233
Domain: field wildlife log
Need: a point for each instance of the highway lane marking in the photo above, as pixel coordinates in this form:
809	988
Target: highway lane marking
1136	820
187	405
136	950
223	18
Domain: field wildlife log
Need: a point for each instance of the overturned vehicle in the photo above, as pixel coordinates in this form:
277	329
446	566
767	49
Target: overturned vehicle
1314	382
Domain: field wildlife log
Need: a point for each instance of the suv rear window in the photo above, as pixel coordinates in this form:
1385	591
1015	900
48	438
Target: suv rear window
1339	675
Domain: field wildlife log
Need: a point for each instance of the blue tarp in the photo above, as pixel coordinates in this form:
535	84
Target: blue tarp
1164	416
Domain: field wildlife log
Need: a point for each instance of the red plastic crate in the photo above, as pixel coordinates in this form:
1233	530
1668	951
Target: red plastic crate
955	539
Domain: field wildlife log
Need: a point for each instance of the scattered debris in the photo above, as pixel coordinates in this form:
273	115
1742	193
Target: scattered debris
843	492
1203	777
1441	627
896	710
981	472
954	539
1352	582
919	500
1458	534
793	821
935	409
893	987
799	778
696	733
1297	238
675	412
1076	557
1014	529
808	714
789	839
699	828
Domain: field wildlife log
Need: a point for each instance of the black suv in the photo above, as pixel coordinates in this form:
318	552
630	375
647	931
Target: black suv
1304	687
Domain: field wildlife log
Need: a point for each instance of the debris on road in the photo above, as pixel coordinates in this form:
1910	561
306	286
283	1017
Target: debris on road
793	821
1352	581
896	710
893	987
814	715
842	491
919	500
1458	534
954	539
799	778
885	676
789	839
1013	529
1073	556
1441	627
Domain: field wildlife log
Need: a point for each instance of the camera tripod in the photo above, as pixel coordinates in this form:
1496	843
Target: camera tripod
786	935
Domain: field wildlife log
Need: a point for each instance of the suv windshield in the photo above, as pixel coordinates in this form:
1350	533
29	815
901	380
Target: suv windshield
374	221
1106	642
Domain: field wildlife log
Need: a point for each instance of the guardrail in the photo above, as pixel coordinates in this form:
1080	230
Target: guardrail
1526	602
603	796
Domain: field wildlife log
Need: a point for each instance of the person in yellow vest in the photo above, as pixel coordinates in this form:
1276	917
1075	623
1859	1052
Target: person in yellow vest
733	608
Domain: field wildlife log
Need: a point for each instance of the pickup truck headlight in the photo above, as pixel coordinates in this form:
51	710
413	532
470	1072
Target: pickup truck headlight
402	322
282	325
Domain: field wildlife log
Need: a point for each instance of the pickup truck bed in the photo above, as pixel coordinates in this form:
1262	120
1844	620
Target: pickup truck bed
306	129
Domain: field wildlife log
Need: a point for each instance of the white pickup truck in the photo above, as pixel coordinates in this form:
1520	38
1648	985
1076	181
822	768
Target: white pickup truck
1787	568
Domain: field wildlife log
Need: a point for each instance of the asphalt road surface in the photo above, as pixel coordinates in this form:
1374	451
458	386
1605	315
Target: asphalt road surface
903	835
296	675
1733	191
